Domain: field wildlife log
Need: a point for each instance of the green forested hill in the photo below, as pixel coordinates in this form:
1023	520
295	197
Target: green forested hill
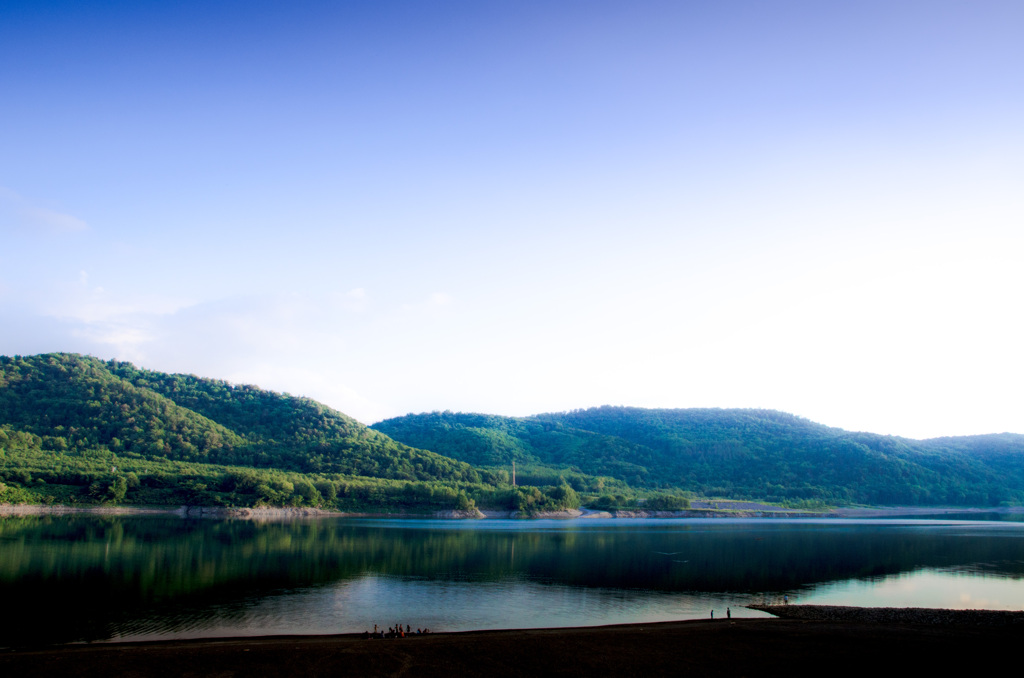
116	432
73	402
75	429
740	453
490	441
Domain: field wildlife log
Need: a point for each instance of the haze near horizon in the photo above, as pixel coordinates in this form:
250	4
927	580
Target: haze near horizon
517	208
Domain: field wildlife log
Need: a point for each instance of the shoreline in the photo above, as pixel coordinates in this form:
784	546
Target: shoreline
288	513
774	646
929	616
910	511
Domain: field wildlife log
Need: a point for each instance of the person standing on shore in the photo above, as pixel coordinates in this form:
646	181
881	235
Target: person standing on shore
728	613
712	614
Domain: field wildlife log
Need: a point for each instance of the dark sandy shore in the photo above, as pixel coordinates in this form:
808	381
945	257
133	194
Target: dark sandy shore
740	647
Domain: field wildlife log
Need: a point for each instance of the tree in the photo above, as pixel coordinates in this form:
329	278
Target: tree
118	489
463	502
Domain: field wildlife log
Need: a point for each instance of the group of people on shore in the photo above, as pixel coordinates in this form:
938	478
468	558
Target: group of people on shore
395	631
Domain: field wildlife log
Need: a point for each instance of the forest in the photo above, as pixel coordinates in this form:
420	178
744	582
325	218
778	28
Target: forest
750	454
79	430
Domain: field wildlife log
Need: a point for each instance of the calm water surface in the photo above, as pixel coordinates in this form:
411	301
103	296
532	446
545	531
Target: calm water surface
98	578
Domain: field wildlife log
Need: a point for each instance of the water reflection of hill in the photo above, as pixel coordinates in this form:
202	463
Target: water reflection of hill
78	577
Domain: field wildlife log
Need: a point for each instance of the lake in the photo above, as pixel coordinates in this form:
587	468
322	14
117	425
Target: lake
92	578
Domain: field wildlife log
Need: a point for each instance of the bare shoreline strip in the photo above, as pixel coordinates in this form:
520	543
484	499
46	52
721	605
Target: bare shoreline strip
721	510
286	513
894	615
761	647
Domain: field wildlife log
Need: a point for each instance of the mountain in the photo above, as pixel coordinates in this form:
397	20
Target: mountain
76	428
73	402
733	452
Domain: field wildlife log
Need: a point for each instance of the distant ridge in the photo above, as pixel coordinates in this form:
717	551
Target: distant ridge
733	452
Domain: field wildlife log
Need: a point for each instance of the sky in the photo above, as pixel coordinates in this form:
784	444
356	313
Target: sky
526	206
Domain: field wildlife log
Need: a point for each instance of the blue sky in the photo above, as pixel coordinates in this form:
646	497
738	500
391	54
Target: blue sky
519	207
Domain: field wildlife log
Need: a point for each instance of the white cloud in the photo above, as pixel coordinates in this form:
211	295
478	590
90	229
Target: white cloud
128	342
290	343
310	382
355	300
53	221
440	299
93	304
433	304
18	213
